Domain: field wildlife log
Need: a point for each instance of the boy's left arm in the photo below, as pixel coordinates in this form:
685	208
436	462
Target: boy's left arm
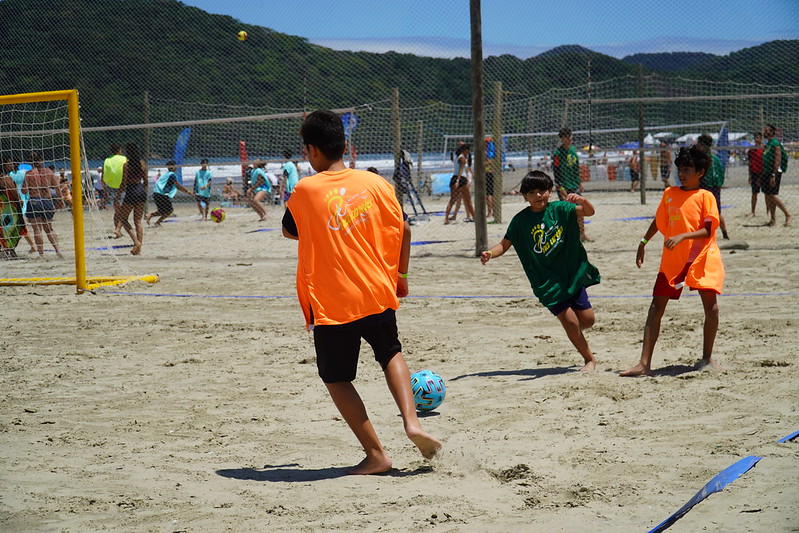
404	261
584	207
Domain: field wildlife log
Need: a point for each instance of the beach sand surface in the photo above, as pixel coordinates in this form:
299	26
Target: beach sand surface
193	404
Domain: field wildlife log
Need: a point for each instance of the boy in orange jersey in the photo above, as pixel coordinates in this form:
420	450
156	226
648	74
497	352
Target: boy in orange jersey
687	217
353	254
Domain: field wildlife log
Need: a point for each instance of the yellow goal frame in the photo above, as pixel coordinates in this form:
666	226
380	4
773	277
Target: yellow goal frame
81	282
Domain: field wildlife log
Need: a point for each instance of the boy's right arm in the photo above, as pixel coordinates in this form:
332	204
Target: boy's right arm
495	251
650	232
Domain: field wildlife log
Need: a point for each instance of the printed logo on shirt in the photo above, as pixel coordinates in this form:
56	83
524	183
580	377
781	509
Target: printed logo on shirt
545	240
347	212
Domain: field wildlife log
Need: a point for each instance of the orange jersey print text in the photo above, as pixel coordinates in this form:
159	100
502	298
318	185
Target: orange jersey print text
546	241
346	213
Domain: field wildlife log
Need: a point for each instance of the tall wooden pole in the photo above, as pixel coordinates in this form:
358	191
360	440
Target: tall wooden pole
641	157
496	164
396	132
478	119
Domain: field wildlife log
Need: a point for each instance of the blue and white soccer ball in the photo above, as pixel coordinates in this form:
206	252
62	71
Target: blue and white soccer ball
428	390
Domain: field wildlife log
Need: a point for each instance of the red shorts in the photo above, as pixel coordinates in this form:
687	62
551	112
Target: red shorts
662	288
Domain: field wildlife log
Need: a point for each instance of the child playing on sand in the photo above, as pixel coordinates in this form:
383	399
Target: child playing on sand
687	217
202	189
353	254
546	237
165	188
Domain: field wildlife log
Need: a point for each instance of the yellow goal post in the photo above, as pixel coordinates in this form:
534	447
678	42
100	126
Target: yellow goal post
80	280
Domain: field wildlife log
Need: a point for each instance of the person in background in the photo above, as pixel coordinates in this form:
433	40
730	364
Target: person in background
202	189
713	178
261	188
165	188
111	180
38	183
566	172
755	159
774	162
665	163
291	176
134	186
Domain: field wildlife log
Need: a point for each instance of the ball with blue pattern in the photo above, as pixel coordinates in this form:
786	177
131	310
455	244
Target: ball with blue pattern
429	390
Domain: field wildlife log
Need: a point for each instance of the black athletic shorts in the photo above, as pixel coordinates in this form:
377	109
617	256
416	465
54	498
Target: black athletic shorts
766	184
40	209
489	184
163	203
337	347
135	193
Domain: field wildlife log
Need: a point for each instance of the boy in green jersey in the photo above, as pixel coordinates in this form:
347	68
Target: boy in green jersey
546	238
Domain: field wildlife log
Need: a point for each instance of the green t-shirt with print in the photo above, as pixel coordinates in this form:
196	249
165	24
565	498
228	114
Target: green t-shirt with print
714	177
553	257
768	155
566	168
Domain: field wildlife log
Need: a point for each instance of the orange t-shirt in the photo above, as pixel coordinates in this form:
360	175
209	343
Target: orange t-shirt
350	226
683	212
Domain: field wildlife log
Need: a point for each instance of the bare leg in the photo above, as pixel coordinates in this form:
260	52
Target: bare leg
38	239
574	325
723	225
710	329
258	206
754	205
651	334
398	379
581	223
771	210
467	203
138	212
351	407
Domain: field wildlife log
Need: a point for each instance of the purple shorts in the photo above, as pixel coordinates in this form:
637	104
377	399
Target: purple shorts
578	302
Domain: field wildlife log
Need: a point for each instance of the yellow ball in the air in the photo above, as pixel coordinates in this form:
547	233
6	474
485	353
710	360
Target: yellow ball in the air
242	35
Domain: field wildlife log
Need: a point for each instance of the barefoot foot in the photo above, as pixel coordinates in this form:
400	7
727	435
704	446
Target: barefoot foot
788	221
590	366
427	444
371	465
704	364
637	370
147	218
136	250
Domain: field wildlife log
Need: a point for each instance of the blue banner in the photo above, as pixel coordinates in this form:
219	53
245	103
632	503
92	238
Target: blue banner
180	152
724	140
350	121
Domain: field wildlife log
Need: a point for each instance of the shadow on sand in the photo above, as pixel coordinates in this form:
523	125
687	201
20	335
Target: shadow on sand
531	373
292	474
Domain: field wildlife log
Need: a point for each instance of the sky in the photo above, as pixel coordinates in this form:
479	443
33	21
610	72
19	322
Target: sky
524	28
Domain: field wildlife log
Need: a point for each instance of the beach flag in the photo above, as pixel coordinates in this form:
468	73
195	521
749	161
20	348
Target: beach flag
724	140
180	152
350	120
719	481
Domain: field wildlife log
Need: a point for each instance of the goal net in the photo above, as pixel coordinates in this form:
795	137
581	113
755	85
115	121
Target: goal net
52	229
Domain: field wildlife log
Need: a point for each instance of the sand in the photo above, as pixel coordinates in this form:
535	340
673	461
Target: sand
194	405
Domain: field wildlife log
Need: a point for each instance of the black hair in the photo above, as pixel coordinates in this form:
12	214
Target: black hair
565	132
535	180
171	163
772	127
134	158
204	162
115	148
373	170
324	129
696	156
705	140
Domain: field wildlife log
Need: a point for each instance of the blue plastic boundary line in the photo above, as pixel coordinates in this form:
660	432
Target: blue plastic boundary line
790	437
719	481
